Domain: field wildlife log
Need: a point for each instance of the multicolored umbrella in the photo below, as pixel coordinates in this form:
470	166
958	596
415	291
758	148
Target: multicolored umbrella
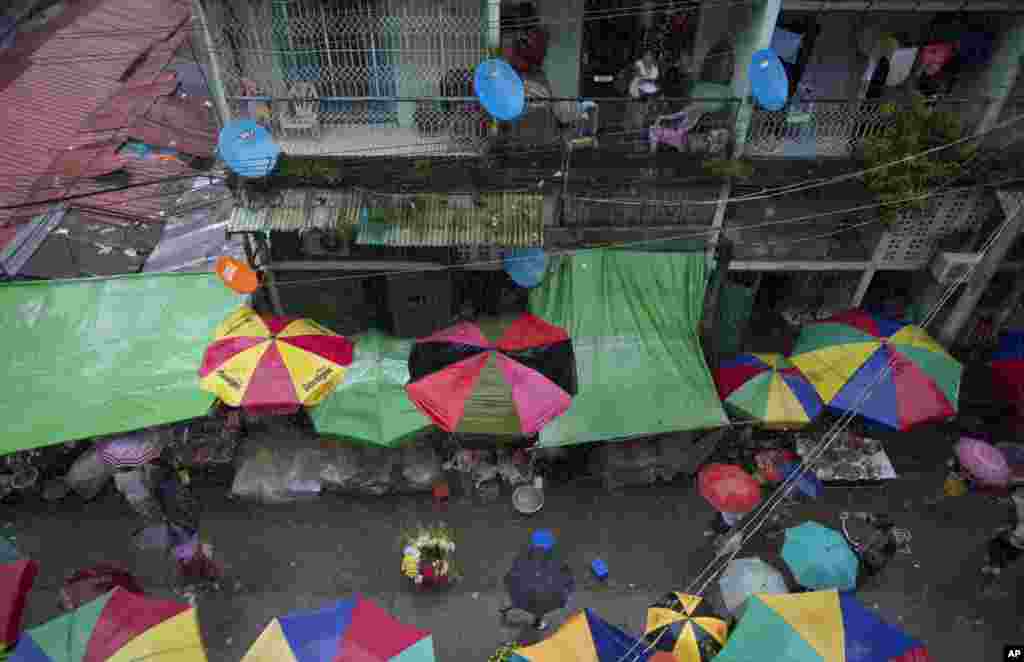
273	363
585	637
684	625
16	581
821	626
889	372
745	577
728	488
533	362
820	558
120	626
353	629
767	388
132	450
806	481
1007	366
986	463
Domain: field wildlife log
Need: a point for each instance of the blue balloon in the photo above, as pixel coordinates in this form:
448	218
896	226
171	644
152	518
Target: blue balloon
500	89
248	148
526	266
768	80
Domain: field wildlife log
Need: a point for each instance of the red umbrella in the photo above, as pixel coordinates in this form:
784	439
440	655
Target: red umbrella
15	582
728	488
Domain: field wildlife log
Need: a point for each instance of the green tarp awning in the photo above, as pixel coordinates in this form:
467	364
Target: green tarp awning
633	317
84	358
371	406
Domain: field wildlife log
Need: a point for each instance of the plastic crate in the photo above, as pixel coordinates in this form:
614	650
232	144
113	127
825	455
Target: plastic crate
419	304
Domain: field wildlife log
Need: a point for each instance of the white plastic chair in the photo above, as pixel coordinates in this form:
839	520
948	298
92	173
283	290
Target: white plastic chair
303	116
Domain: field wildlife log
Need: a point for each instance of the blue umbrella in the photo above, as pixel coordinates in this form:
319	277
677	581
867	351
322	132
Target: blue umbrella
806	481
248	148
745	577
768	81
500	89
526	266
820	557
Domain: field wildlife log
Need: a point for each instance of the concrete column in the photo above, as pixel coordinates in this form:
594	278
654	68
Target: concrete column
564	21
982	275
997	82
756	36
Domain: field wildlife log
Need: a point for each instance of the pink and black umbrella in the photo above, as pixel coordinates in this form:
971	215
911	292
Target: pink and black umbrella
532	361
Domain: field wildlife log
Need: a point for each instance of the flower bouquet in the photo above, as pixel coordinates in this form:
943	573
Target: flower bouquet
428	556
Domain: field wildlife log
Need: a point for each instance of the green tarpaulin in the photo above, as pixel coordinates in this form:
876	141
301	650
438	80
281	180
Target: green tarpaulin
633	317
734	310
85	358
371	406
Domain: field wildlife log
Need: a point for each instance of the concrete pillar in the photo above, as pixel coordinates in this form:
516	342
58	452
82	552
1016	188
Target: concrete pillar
757	35
997	82
982	275
564	21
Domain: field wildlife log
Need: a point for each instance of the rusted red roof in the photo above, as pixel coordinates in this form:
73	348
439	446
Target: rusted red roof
89	160
183	123
54	80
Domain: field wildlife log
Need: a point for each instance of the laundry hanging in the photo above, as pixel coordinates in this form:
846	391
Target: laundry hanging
936	56
900	65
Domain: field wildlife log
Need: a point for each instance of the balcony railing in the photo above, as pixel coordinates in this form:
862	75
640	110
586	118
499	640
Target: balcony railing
353	127
832	128
382	126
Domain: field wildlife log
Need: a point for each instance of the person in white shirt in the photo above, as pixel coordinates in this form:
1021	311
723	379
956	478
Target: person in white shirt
643	85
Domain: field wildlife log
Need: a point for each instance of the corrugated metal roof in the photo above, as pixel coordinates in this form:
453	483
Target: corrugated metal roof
52	81
184	123
502	219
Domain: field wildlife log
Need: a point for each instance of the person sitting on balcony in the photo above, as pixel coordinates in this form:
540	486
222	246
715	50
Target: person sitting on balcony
643	86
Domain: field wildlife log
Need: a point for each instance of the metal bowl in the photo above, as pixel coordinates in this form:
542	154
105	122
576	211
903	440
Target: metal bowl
527	499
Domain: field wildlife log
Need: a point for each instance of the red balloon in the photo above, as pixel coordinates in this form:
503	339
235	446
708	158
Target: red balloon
728	488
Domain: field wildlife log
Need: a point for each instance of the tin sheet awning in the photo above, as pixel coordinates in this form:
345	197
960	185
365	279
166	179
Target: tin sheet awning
501	219
101	356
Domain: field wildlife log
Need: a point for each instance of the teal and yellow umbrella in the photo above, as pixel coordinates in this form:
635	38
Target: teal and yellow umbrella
821	626
767	388
887	371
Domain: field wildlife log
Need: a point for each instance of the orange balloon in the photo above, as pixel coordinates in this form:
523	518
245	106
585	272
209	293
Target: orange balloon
237	275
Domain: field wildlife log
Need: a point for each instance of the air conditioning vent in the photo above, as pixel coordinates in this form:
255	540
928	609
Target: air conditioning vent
950	267
324	243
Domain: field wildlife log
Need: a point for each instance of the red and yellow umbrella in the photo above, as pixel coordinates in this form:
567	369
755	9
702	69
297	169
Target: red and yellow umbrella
273	363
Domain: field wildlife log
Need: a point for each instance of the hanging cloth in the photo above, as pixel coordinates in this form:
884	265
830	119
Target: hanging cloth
900	65
936	56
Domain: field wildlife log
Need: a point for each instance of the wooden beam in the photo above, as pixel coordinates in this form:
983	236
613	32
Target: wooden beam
869	273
